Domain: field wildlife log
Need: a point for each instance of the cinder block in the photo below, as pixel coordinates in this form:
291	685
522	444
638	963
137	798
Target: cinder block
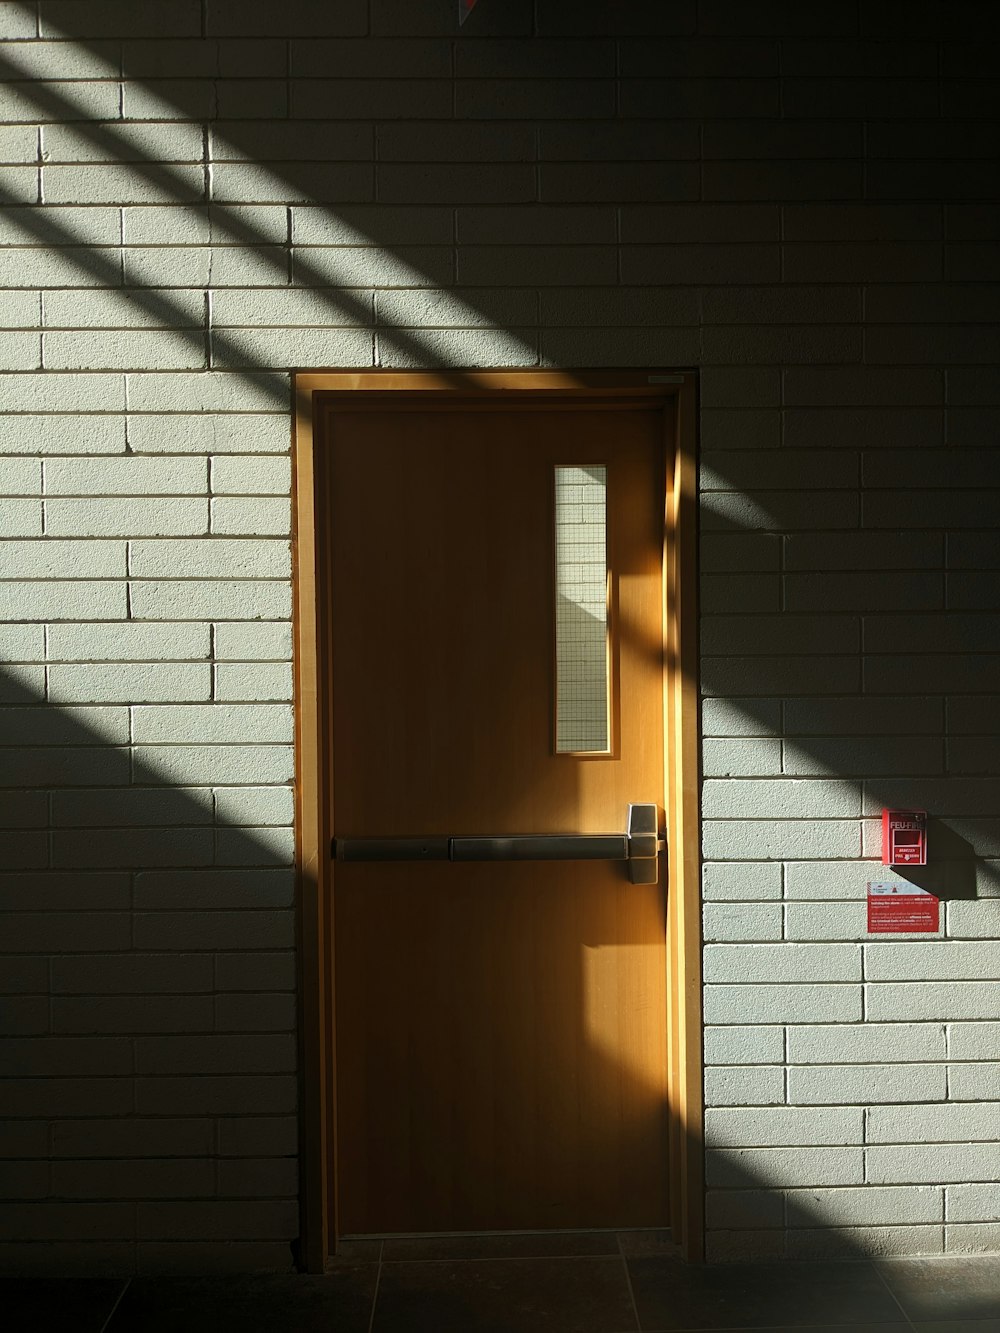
272	971
133	517
737	758
931	960
255	1013
58	600
544	265
700	264
261	516
790	1126
20	683
180	599
866	1206
258	806
780	675
254	643
20	351
972	1204
20	476
61	560
357	223
63	726
129	476
231	433
427	349
217	1220
777	634
871	591
118	309
864	717
214	558
231	1054
137	807
114	350
781	798
741	717
211	391
872	1242
779	510
216	764
939	1163
129	1178
297	347
251	476
254	682
753	1209
865	756
974	1041
978	1238
737	1168
782	1004
916	1000
257	1136
129	682
742	881
259	1178
723	552
857	387
128	642
210	724
760	840
819	963
21	518
742	921
744	1046
132	847
222	1095
223	890
255	846
57	932
744	1085
369	99
134	1013
97	183
839	1085
974	1082
826	921
62	434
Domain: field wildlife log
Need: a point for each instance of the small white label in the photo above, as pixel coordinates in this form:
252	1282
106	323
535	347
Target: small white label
891	889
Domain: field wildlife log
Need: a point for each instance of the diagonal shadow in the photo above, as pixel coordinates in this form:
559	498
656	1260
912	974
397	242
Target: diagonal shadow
354	309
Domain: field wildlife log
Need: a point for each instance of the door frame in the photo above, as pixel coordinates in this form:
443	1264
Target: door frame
676	394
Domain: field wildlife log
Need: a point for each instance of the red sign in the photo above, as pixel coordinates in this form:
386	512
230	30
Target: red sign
904	837
895	909
465	8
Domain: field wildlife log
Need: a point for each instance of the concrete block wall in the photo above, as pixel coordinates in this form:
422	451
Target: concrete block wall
796	200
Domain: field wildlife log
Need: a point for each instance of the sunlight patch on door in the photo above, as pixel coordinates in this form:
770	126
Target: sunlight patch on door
582	694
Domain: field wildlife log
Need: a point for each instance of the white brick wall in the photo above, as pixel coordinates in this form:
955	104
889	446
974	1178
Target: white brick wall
204	196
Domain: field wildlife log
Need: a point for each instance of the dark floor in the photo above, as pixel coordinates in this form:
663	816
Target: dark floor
572	1283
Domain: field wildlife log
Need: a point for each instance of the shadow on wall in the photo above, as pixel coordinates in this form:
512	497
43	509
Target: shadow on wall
152	1092
148	1035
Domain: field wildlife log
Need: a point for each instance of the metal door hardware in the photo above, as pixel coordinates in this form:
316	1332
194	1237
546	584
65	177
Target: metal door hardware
639	847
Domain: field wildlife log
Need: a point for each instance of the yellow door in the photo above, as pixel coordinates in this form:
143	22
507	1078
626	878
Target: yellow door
500	1025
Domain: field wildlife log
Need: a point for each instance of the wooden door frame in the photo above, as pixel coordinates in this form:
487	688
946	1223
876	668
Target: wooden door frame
676	393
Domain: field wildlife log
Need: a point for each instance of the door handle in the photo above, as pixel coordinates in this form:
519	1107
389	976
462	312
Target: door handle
639	846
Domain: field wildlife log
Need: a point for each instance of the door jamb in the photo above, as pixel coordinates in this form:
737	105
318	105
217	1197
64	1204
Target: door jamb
317	1155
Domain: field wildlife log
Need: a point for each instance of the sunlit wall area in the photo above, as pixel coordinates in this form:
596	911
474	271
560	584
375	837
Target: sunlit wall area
798	202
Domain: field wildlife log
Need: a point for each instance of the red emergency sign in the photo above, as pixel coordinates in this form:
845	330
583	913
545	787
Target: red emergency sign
895	909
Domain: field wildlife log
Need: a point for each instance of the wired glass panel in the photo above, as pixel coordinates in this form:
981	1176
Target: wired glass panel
582	723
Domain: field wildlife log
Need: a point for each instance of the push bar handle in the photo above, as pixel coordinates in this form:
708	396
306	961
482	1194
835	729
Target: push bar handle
639	847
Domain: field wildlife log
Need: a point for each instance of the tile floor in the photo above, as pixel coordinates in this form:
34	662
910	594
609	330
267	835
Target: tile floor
557	1283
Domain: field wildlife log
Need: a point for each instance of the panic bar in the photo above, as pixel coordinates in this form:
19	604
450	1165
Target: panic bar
639	847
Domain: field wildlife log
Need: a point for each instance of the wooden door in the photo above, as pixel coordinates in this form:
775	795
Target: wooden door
500	1028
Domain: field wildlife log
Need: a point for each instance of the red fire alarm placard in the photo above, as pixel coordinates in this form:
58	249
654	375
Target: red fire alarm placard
895	909
904	837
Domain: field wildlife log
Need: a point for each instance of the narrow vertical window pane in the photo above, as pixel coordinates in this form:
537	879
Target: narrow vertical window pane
582	693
